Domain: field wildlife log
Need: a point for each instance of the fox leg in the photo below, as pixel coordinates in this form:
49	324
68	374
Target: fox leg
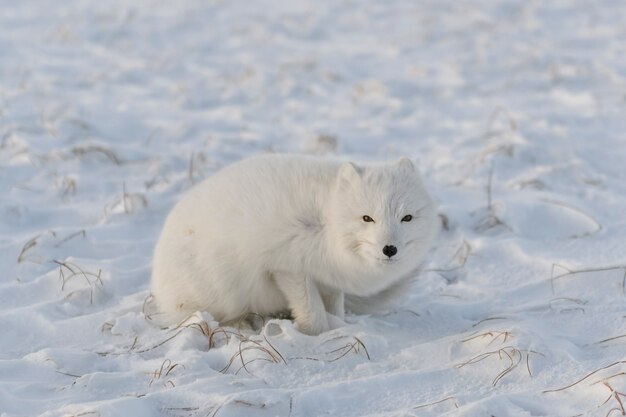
305	302
334	301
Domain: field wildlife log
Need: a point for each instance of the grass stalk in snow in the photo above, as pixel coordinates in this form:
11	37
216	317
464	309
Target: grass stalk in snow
460	257
69	270
590	374
618	398
456	405
68	186
98	149
500	110
513	354
166	368
491	220
159	344
31	243
495	335
478	323
617	395
174	409
28	245
128	200
192	169
131	348
85	413
353	346
577	210
70	237
610	339
571	272
240	354
400	311
576	301
250	404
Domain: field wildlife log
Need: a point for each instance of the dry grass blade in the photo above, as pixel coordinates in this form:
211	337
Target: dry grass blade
129	199
196	160
495	335
73	270
491	220
501	353
134	344
584	377
166	368
577	210
249	404
68	374
461	256
576	301
445	222
71	236
343	350
216	409
617	396
528	360
348	348
610	339
614	409
514	352
488	319
225	332
84	150
275	350
304	358
490	187
572	272
257	346
28	245
85	413
456	405
146	301
500	110
243	364
181	408
192	168
363	346
603	380
249	362
160	343
479	358
239	402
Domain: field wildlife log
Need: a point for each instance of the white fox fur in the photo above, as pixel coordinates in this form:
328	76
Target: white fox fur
282	233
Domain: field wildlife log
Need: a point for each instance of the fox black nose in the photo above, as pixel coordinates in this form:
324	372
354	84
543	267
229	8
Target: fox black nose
390	250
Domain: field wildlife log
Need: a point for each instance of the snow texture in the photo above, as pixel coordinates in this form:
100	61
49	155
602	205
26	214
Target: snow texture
514	110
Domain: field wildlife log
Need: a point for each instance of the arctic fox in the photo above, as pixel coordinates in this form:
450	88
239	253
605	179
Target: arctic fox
280	233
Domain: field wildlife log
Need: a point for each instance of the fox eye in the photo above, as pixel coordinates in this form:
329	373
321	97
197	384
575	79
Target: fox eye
368	219
407	218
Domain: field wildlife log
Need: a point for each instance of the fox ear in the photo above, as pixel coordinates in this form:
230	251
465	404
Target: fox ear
406	165
349	173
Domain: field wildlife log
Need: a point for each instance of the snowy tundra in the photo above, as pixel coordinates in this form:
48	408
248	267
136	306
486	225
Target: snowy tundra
289	233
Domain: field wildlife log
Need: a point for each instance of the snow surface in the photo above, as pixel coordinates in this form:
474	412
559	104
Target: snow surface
515	111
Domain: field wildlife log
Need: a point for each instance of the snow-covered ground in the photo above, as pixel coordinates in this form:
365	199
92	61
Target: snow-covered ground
515	111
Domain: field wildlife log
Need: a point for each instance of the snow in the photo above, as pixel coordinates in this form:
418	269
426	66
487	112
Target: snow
514	111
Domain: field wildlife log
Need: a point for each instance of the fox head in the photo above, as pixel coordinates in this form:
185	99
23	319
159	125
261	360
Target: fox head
382	216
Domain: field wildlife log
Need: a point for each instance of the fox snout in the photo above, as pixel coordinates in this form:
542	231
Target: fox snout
389	250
